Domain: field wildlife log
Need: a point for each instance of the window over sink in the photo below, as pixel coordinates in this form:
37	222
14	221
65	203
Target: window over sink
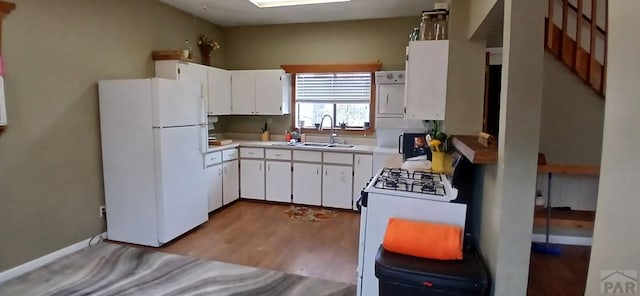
345	92
344	96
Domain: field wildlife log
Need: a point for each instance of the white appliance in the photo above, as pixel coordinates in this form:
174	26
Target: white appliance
390	122
390	94
388	131
154	134
402	194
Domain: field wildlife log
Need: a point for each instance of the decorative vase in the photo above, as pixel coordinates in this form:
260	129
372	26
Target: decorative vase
205	56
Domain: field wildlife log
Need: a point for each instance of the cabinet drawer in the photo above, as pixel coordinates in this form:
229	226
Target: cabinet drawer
279	154
251	152
341	158
309	156
212	158
229	154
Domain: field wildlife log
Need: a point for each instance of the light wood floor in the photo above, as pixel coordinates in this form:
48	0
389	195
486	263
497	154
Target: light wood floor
564	275
260	235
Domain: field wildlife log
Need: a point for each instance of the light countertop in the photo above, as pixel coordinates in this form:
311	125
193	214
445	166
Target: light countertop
360	149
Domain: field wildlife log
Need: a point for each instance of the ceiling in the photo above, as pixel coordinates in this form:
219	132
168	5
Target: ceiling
230	13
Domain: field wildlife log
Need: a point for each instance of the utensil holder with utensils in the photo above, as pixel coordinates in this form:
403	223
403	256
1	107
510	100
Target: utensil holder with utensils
265	136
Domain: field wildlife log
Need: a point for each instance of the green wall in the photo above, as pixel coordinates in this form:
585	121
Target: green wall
50	156
268	47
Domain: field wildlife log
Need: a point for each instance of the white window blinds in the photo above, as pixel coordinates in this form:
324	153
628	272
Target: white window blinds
333	88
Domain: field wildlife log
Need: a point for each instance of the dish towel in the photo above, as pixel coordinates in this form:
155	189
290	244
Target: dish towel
423	239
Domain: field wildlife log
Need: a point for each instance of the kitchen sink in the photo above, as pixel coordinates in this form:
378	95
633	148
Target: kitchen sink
326	145
340	146
312	144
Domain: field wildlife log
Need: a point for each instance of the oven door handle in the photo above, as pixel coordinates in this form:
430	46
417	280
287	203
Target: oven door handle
400	144
363	200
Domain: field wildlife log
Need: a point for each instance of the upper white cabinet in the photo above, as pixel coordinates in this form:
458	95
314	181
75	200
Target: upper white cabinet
215	83
260	92
178	70
390	100
219	87
426	82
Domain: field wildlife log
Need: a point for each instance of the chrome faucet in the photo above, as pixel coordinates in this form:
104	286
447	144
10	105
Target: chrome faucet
332	138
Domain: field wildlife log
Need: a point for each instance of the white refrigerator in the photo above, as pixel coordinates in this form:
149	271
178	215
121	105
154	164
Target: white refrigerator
153	139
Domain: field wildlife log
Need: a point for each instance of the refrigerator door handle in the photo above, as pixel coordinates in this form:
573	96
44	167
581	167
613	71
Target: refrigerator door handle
204	108
204	139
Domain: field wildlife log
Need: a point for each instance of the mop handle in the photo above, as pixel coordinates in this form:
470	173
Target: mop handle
548	209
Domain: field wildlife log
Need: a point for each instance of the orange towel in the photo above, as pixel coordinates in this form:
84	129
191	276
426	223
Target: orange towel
423	239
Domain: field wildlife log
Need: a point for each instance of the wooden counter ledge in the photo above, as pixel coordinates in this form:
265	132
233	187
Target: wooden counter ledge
474	151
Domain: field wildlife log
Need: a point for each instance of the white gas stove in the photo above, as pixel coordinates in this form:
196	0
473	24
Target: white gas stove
414	184
400	193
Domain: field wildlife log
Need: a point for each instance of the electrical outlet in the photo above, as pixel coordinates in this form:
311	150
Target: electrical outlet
102	211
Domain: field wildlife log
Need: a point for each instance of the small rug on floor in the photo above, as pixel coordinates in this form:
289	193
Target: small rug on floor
110	269
310	214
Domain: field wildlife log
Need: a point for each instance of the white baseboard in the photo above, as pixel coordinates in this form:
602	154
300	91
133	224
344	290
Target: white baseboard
563	239
46	259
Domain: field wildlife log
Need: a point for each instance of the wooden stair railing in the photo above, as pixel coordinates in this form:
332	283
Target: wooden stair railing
571	52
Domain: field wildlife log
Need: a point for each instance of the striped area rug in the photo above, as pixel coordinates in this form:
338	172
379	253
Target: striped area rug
110	269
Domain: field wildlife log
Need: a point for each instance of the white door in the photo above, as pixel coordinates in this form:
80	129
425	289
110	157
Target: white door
219	91
176	103
278	181
337	186
214	186
252	179
243	92
391	100
231	180
180	176
196	73
426	82
362	172
269	92
307	183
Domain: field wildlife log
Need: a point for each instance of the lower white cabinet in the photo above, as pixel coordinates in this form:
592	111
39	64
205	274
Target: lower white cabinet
214	186
337	186
252	179
231	179
278	178
307	183
362	172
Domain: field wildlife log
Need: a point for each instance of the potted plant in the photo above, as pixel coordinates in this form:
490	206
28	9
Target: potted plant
206	46
343	125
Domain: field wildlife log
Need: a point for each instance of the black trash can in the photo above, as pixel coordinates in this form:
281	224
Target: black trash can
401	275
